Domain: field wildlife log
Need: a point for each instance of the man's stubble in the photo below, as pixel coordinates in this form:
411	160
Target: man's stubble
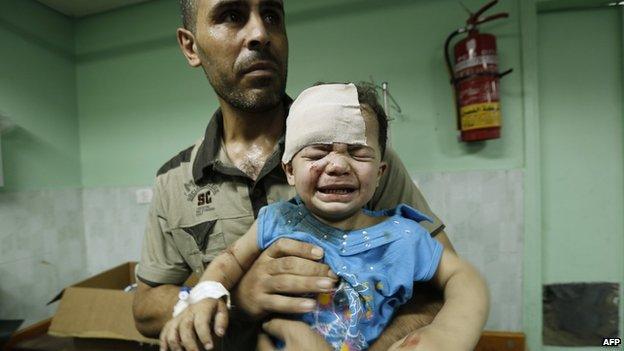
264	98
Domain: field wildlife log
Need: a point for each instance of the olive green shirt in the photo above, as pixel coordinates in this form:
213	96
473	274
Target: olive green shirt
202	203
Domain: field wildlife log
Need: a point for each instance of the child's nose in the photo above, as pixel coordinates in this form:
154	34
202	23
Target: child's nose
337	165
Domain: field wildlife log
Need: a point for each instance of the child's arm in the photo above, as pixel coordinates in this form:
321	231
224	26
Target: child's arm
459	323
227	269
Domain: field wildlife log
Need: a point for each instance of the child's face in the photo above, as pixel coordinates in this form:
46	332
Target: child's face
336	181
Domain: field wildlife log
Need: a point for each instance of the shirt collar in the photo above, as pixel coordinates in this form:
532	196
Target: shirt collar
209	148
350	242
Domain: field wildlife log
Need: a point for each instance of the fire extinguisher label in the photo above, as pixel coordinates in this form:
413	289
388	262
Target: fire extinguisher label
482	62
482	115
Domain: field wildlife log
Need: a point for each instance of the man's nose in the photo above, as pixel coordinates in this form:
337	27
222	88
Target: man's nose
257	33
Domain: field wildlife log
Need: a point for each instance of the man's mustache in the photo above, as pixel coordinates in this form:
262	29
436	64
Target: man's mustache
254	57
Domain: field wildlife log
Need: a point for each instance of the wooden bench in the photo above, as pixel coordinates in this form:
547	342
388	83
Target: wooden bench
501	341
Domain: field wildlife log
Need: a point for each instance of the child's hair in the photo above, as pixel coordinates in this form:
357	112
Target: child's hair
367	95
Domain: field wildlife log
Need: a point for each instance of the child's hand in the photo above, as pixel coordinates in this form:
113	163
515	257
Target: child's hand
428	339
179	333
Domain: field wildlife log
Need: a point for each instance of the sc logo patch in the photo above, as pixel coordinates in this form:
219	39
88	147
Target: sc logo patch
611	342
204	198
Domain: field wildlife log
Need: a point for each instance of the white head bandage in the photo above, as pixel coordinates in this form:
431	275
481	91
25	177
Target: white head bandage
324	114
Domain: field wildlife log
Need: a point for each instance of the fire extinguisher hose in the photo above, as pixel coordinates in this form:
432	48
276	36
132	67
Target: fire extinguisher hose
449	66
447	56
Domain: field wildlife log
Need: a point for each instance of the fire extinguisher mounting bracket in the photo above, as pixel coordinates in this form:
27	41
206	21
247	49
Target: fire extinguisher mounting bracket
481	74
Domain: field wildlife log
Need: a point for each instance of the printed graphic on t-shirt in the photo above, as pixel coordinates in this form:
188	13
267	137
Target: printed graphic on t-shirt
340	314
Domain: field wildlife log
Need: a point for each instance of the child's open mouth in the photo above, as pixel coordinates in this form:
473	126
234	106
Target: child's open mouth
337	191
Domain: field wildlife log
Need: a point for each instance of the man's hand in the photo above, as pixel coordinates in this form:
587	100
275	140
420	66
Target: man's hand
288	267
193	324
297	336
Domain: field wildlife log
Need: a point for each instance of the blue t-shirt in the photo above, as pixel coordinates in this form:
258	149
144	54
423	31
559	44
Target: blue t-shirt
377	267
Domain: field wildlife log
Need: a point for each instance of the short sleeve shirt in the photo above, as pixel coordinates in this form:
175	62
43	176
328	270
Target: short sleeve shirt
377	266
202	203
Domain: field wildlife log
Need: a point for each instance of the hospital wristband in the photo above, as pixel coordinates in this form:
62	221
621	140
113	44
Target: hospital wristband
201	291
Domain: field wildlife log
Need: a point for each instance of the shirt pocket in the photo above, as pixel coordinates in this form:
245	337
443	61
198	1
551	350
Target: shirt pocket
200	243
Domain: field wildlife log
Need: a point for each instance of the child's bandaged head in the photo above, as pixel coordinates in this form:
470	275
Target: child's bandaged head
324	114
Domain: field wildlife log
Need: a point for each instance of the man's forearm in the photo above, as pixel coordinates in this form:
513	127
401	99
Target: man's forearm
420	311
153	306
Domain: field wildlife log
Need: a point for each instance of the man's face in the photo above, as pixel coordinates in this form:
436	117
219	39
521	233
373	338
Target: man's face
243	49
336	181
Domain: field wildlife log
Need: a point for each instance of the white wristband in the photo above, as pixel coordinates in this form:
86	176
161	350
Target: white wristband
209	289
201	291
183	301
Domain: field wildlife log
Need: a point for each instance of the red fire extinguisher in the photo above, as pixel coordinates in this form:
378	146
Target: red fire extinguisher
475	77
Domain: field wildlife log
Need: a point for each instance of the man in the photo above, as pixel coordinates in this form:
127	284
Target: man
210	193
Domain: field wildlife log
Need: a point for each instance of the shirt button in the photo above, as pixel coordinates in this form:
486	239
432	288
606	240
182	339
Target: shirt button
407	231
344	236
366	237
324	236
367	245
395	222
343	250
344	243
364	232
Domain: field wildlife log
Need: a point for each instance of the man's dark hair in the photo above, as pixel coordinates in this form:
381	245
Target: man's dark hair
188	12
367	95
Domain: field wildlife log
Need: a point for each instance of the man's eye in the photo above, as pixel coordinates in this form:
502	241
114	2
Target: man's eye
272	17
232	16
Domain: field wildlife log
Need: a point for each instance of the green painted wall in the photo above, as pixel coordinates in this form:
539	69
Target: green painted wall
532	245
582	160
38	93
105	100
582	147
402	42
138	102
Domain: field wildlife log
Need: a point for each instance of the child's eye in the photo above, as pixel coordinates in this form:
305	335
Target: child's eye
315	155
314	152
362	153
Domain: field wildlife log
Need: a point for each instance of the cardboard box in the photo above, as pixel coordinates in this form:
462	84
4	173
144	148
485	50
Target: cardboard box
99	308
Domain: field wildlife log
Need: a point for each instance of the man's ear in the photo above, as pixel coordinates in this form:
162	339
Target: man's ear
383	166
186	41
288	170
